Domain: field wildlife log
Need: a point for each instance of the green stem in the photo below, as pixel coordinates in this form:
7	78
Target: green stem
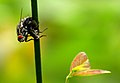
36	44
66	80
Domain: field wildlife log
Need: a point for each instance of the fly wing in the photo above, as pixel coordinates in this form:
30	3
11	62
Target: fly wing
90	72
80	62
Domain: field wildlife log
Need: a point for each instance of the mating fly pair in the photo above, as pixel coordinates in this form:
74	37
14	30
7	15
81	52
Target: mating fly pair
28	27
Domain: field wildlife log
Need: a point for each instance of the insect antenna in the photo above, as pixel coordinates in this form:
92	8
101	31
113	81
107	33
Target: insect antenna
21	14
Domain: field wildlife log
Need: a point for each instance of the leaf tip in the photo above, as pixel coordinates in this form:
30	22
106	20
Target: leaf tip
106	71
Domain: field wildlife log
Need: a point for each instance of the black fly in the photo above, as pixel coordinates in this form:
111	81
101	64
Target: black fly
28	27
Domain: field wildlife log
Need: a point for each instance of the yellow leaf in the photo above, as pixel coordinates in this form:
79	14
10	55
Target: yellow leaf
80	66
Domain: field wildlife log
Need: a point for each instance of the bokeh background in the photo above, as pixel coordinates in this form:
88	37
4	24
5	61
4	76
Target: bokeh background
92	26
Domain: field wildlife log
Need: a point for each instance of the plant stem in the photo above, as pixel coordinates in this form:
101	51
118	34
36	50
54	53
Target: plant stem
36	44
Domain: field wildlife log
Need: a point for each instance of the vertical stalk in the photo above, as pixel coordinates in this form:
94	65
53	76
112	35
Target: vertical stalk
36	44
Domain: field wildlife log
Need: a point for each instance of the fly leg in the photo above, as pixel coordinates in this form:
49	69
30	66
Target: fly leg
26	37
43	30
34	33
29	40
42	36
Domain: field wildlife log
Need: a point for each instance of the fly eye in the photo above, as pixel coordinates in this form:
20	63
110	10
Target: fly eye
20	36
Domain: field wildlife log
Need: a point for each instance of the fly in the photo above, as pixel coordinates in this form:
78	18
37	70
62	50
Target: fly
28	27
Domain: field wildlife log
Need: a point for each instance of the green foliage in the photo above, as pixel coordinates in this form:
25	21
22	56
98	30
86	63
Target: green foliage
92	26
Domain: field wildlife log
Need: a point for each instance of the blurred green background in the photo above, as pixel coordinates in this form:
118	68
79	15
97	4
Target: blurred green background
91	26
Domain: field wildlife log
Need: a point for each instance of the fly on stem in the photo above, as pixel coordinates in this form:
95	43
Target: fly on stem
28	29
